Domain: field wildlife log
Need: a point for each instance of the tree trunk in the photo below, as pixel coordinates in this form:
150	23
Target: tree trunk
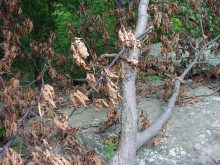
131	139
128	145
127	148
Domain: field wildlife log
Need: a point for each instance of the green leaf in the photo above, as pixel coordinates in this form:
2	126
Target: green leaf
2	132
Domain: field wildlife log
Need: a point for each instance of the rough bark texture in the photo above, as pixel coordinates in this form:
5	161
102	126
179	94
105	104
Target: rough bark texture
127	148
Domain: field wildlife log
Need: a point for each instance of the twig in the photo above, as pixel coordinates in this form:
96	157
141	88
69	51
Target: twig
197	57
12	139
204	95
88	93
145	33
196	50
42	73
109	55
140	37
22	121
73	111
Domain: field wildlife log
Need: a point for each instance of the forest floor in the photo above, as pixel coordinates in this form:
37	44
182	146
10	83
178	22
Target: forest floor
192	135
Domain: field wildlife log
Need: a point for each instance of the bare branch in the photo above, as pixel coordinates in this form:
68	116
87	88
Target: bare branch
109	55
196	50
197	57
150	132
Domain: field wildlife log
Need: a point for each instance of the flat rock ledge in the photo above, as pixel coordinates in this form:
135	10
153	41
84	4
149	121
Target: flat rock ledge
191	137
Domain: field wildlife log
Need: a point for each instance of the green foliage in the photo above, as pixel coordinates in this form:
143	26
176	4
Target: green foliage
54	16
2	132
195	17
177	24
40	13
17	143
190	22
110	148
154	78
61	18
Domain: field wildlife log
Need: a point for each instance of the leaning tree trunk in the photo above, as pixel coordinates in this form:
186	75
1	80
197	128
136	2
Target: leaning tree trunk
131	139
128	145
127	148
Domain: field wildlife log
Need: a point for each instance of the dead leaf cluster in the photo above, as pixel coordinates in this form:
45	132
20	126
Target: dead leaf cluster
78	98
128	39
12	158
46	104
80	53
144	120
168	89
16	100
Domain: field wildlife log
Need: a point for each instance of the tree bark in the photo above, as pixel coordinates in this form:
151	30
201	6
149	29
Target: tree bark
128	145
131	139
127	148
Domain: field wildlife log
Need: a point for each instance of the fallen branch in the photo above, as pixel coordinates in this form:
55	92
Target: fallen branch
150	132
22	121
203	95
127	146
109	55
12	139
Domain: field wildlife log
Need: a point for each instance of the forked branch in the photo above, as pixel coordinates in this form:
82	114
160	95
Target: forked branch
150	132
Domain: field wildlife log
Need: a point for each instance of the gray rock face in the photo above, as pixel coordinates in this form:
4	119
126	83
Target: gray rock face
86	116
156	48
191	137
199	91
193	131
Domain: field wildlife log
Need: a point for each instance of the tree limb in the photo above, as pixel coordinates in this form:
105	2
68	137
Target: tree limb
150	132
127	147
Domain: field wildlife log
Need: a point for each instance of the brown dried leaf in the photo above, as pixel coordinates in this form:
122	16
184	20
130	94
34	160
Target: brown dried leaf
81	62
39	109
158	142
157	19
81	97
133	62
73	100
58	124
91	79
48	94
81	48
96	109
122	70
101	103
145	123
110	73
112	90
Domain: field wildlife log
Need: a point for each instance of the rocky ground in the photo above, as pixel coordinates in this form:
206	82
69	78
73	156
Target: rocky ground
191	137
